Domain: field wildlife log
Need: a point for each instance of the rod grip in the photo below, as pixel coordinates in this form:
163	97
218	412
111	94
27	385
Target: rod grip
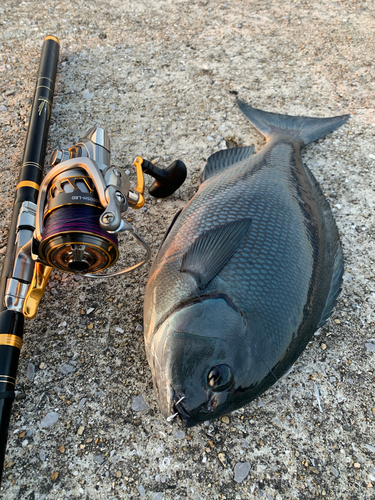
11	332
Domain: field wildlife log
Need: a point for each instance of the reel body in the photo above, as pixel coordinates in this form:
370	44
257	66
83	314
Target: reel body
75	224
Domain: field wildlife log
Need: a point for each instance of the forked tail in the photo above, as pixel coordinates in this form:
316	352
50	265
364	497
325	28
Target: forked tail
300	128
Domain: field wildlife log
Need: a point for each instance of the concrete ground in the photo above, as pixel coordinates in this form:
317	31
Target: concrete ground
162	78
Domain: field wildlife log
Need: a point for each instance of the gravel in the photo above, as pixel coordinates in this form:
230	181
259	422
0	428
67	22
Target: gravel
162	78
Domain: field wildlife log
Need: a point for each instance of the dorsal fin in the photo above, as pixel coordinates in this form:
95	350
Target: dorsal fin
298	127
223	159
213	249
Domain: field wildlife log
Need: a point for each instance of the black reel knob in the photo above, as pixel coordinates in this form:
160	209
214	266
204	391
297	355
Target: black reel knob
167	180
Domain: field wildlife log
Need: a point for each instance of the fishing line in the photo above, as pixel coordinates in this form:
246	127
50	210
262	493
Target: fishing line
74	241
64	220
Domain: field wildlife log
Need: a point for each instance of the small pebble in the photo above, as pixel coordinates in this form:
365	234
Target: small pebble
241	471
54	476
141	491
82	403
222	459
98	459
66	368
139	328
139	404
80	430
30	372
370	347
225	419
62	449
50	419
90	326
335	472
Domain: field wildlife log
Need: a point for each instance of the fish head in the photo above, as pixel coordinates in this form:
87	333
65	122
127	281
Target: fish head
203	365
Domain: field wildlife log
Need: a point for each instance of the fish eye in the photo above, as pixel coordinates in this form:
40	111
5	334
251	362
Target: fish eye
220	377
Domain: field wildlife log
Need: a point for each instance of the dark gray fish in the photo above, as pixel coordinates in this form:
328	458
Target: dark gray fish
245	275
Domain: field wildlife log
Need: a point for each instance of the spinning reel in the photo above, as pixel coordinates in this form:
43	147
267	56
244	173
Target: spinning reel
78	213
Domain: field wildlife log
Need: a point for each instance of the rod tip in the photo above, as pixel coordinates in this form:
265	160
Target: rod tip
51	37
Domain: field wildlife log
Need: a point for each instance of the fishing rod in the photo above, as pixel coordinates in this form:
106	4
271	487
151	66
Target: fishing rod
69	220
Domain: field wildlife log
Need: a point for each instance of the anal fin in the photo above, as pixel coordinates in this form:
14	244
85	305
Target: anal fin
336	282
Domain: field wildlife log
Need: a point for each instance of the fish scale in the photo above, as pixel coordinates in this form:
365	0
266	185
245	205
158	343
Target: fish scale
252	264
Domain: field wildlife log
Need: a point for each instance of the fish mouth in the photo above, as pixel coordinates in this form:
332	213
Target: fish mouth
179	410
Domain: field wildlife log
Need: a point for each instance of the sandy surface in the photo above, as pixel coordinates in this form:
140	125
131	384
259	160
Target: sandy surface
162	77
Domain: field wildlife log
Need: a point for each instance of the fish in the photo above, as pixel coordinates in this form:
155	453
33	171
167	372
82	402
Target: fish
247	272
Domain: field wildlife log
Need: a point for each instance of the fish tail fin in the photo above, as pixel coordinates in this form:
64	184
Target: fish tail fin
300	128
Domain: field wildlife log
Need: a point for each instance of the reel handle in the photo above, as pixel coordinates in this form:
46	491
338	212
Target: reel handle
167	180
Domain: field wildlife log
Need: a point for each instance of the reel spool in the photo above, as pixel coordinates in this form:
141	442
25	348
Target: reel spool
73	240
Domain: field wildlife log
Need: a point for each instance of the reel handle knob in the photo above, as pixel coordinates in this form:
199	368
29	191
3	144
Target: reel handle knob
167	180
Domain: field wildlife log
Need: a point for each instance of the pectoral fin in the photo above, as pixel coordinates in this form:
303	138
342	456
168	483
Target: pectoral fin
213	249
